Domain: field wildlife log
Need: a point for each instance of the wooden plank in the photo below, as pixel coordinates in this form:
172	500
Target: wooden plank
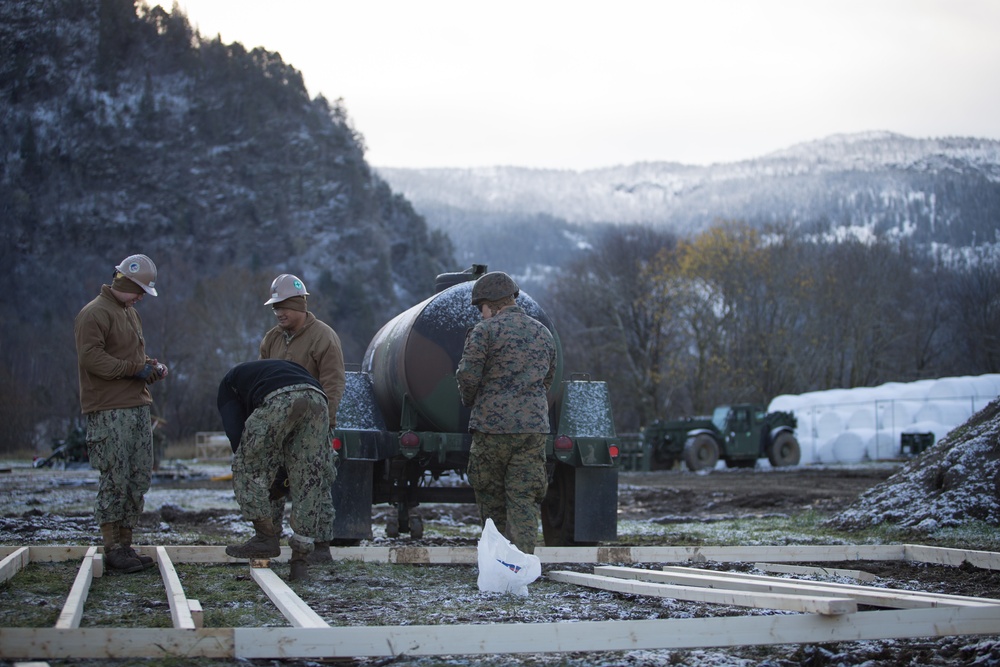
814	605
298	613
57	554
197	614
14	562
841	587
79	643
72	610
693	633
180	612
881	597
815	571
987	560
467	555
586	636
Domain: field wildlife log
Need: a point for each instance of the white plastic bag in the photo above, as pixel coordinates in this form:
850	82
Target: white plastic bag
503	568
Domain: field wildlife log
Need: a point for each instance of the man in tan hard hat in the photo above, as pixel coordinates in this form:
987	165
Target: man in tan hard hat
300	337
115	373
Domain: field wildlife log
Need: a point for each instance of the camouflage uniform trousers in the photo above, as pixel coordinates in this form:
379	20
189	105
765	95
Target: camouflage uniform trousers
507	472
288	430
120	443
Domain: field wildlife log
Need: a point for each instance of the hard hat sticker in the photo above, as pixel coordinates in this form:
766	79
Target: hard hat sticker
298	284
133	267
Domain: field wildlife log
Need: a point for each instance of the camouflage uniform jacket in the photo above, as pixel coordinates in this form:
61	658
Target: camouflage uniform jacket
110	349
507	367
246	385
315	347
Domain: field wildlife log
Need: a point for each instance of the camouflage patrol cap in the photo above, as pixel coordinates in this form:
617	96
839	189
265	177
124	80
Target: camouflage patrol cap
493	286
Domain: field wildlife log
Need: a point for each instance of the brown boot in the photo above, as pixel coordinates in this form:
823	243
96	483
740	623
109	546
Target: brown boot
125	535
321	554
262	545
299	566
114	554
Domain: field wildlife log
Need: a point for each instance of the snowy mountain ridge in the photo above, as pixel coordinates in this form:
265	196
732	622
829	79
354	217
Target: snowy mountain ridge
944	190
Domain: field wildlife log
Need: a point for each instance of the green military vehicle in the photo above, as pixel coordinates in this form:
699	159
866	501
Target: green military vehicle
403	438
737	434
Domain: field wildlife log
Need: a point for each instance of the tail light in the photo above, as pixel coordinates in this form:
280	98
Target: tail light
409	440
563	443
336	444
613	451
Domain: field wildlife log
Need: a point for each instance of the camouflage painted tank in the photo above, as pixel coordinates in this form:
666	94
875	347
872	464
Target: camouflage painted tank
404	439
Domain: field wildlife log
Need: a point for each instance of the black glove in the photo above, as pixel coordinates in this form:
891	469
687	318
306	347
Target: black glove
148	371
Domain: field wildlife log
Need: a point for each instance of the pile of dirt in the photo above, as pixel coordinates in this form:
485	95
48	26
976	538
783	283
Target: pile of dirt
955	482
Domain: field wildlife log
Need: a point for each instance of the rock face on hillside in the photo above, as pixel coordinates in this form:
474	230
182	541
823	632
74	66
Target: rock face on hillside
955	482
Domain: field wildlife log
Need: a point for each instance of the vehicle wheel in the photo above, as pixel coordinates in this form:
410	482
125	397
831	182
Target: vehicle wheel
416	527
701	452
784	451
392	525
559	509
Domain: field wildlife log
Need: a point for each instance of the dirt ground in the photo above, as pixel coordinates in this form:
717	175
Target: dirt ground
52	507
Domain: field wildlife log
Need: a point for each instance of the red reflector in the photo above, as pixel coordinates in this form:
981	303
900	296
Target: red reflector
336	444
563	442
409	439
613	450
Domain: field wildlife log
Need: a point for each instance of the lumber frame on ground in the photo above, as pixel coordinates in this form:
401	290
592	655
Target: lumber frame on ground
312	638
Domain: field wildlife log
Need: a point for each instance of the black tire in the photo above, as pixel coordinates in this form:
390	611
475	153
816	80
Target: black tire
784	451
559	509
701	452
416	527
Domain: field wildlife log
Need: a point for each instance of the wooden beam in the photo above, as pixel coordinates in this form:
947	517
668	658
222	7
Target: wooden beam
691	633
881	597
298	613
79	643
813	605
845	588
15	561
180	612
987	560
72	610
595	555
586	636
815	571
197	614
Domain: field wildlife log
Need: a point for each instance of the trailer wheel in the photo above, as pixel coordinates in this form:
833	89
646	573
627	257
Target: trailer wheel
559	509
701	452
784	451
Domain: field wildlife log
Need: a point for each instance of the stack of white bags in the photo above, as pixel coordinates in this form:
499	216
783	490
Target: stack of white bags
866	423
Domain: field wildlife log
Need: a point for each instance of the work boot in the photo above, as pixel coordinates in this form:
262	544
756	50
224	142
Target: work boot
321	554
114	554
299	566
125	536
262	545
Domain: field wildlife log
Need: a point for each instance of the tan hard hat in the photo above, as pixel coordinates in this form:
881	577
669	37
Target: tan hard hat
284	287
140	270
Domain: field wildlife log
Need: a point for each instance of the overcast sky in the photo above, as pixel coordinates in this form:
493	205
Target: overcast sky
581	84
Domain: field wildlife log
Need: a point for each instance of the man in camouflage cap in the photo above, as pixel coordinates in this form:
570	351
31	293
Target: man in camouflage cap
506	370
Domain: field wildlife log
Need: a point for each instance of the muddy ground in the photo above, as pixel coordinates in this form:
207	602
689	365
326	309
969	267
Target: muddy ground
54	507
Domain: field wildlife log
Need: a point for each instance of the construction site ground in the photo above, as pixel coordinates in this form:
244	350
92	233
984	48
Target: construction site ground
661	508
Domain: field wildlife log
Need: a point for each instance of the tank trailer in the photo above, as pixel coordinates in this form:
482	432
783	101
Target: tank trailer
403	439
